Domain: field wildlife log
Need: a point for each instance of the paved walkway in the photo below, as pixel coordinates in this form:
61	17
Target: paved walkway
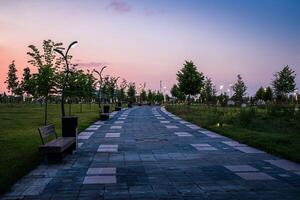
148	153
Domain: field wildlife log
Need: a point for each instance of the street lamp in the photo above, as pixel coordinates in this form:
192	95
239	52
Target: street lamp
65	57
221	88
69	124
100	83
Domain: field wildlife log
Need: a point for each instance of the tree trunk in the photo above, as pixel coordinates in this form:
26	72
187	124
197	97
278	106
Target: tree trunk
189	100
46	110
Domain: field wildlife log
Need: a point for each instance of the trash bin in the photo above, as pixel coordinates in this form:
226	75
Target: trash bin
69	126
106	109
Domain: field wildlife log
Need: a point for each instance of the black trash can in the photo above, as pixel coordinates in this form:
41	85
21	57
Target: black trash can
106	109
69	126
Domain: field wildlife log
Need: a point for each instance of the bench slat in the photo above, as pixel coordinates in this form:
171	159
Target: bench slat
57	145
47	131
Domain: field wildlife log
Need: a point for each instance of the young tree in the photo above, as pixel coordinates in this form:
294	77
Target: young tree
208	92
151	96
121	92
143	96
268	94
284	83
260	94
131	92
190	81
177	93
159	97
12	79
239	89
45	81
26	82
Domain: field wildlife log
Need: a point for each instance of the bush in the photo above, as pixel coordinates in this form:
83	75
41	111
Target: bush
246	116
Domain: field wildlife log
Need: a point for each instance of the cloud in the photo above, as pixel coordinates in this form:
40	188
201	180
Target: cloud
92	65
119	6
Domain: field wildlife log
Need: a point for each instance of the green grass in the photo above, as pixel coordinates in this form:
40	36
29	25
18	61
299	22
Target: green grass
19	138
277	135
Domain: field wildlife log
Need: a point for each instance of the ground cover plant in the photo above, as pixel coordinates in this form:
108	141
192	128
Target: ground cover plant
271	129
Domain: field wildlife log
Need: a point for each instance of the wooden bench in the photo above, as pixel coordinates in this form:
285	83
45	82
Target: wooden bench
55	149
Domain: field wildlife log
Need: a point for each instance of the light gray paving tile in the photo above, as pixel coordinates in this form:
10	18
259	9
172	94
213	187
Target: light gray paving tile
79	144
165	122
100	180
255	176
171	126
119	122
211	134
101	171
109	146
183	122
298	173
206	148
91	129
284	175
115	127
285	164
95	126
99	123
193	126
85	135
112	135
241	168
121	118
234	144
159	118
248	150
176	118
201	145
108	150
183	134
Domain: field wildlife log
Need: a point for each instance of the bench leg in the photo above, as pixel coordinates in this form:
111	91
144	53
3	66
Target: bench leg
53	158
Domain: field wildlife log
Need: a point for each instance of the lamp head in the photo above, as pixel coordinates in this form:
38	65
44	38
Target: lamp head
73	44
59	52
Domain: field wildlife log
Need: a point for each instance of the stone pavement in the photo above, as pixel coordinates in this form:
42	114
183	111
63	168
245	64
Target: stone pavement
148	153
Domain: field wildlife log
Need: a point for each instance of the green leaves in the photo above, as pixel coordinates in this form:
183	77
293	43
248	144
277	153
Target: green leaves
239	89
284	82
190	81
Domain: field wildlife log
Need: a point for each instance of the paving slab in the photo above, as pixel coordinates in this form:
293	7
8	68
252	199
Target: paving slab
157	160
254	176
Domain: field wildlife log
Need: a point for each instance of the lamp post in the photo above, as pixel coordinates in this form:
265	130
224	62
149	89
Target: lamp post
100	83
69	123
65	57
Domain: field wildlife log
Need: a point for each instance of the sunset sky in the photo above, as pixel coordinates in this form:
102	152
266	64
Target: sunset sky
149	40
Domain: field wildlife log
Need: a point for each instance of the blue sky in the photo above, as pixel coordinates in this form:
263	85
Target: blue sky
148	41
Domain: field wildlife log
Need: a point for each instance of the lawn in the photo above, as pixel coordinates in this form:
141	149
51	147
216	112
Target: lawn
19	138
279	135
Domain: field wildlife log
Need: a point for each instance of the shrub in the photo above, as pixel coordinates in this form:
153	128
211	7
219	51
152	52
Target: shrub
246	116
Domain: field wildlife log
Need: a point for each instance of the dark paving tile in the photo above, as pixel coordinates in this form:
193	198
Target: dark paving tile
152	162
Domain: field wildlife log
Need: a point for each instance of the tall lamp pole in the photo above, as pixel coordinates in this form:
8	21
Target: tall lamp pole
100	83
65	57
115	94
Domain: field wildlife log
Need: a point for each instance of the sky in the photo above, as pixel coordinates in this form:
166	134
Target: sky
148	41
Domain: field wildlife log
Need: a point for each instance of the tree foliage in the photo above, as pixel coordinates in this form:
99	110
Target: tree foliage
239	89
190	81
131	92
208	92
12	79
284	83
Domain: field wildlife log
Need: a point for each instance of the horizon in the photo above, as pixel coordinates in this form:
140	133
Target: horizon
149	41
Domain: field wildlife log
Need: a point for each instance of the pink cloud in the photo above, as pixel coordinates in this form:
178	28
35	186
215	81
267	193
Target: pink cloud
119	6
